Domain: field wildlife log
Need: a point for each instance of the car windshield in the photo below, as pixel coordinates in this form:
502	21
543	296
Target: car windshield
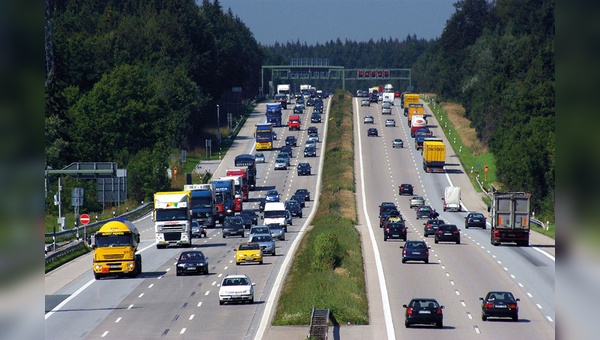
504	296
237	281
476	215
259	230
424	304
191	256
425	208
249	246
415	245
262	238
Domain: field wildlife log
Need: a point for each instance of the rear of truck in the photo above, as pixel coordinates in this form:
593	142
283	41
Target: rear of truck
434	156
510	215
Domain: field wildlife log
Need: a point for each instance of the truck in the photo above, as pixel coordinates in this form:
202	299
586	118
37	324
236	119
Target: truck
451	199
420	138
115	244
388	88
172	219
388	97
249	162
225	198
510	215
417	122
237	190
434	156
294	122
273	114
285	90
407	99
203	206
274	213
243	173
263	134
414	109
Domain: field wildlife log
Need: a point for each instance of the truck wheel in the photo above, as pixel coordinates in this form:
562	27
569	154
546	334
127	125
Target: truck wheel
224	236
385	238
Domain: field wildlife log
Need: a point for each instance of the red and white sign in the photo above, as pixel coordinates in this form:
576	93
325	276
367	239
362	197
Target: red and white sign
84	218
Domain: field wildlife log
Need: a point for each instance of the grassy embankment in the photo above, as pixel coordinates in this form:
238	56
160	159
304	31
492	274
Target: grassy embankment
327	271
473	154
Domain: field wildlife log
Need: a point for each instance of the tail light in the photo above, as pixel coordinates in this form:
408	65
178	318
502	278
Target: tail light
488	305
439	311
409	310
387	230
404	251
439	231
427	252
512	306
403	229
455	232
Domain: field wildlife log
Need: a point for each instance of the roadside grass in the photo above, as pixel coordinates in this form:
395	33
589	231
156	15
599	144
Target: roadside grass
341	288
64	259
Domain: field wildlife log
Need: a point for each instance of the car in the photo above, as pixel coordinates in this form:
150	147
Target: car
304	169
416	201
393	216
248	252
369	120
274	135
313	137
405	188
252	215
299	108
310	151
294	207
365	102
415	250
261	203
198	230
394	230
272	196
447	233
259	157
423	311
310	102
397	143
288	218
312	129
475	220
281	163
191	262
266	243
258	230
374	98
288	150
385	208
315	118
397	94
300	102
233	225
291	141
499	304
372	132
386	108
300	199
246	218
423	211
277	231
286	155
303	192
236	288
311	143
431	226
390	122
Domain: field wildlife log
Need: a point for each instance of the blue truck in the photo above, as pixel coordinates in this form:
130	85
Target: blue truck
203	207
274	114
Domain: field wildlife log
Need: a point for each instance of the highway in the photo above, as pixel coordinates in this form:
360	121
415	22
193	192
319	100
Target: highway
457	274
159	304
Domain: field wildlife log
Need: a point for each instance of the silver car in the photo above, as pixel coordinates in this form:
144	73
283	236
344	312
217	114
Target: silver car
390	122
397	143
310	143
259	157
266	242
281	164
259	230
313	137
277	232
369	120
417	201
386	109
365	102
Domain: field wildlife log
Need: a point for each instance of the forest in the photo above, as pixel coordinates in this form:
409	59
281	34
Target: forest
132	80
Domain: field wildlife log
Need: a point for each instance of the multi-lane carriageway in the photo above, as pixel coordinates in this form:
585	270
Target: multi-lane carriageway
160	305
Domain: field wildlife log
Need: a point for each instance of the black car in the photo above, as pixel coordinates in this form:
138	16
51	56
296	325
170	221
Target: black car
303	192
447	233
233	225
191	262
499	304
415	251
431	226
394	230
372	132
312	129
405	189
384	210
300	199
304	169
294	207
287	149
315	118
291	141
310	151
310	102
423	211
252	215
298	109
475	220
423	311
249	220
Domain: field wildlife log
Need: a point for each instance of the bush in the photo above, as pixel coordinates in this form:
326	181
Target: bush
326	252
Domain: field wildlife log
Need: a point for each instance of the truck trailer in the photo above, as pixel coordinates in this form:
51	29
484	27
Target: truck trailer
115	244
434	156
451	199
510	215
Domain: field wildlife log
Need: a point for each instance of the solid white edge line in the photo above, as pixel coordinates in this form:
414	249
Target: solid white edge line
545	254
74	295
387	313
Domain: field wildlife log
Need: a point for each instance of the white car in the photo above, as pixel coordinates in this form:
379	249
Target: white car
369	120
313	137
236	288
386	109
281	164
310	143
390	122
259	157
365	102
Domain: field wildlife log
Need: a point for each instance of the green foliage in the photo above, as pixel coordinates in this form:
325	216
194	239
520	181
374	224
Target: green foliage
326	252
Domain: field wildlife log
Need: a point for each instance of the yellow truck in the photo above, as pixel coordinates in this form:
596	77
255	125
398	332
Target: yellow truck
407	99
434	156
115	244
248	252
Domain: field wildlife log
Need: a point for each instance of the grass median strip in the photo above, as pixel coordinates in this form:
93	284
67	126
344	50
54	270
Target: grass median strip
328	271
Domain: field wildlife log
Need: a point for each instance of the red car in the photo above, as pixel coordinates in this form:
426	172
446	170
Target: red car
397	94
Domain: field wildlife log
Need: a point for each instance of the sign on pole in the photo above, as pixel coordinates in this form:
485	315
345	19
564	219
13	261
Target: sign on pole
84	218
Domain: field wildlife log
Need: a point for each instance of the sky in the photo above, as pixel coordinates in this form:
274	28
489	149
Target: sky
320	21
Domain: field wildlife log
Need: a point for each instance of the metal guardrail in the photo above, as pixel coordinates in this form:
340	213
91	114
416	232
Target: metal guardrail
65	251
93	226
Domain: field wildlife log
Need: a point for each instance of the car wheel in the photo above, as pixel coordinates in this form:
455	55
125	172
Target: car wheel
426	234
177	273
224	236
427	261
439	324
484	227
436	241
483	317
466	227
274	253
252	299
221	302
406	324
404	239
300	216
458	242
403	261
385	238
515	318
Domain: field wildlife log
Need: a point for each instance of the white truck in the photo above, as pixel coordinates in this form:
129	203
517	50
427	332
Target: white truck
285	90
388	97
275	213
452	199
172	219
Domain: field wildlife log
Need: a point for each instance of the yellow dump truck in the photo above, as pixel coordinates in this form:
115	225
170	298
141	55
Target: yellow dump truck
434	156
115	244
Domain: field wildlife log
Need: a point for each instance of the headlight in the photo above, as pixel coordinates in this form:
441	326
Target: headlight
181	265
98	266
130	265
160	228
